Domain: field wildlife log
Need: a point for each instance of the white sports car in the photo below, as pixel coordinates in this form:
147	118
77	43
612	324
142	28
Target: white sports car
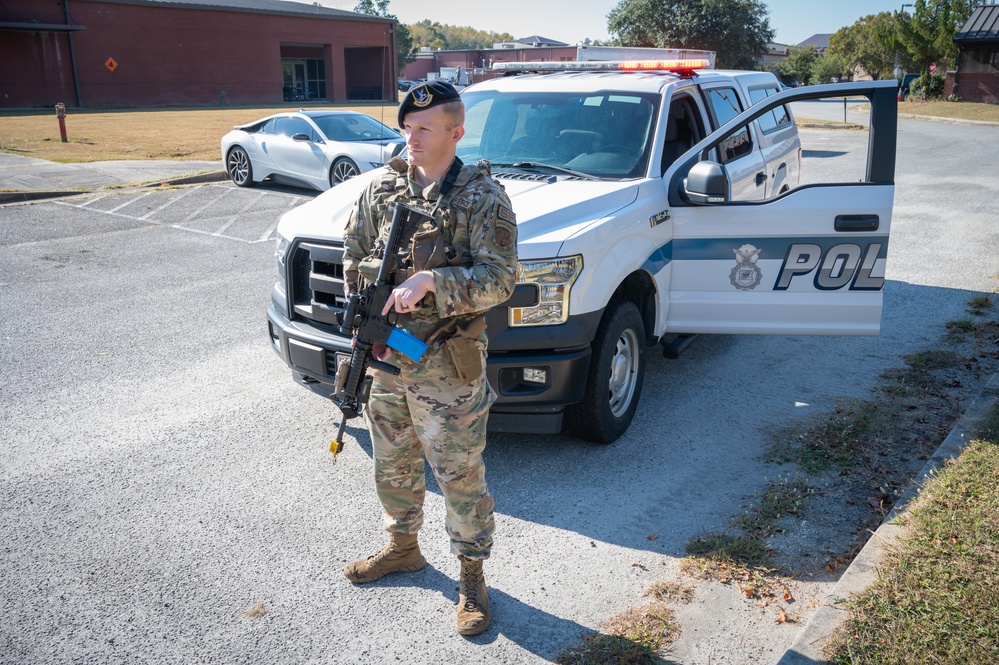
318	149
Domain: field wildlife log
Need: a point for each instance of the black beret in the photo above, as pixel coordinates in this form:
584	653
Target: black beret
425	96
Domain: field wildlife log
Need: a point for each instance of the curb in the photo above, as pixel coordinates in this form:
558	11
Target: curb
22	196
830	125
196	179
807	648
35	195
951	121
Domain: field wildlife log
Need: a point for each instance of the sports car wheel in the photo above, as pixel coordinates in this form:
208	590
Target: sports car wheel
239	168
343	169
614	384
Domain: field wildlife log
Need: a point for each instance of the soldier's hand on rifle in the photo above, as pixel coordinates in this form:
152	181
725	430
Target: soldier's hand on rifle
406	297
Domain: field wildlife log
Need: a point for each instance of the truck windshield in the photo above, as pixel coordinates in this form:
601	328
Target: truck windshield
601	134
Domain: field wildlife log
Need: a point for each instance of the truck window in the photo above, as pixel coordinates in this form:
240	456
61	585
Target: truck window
683	129
605	134
775	119
724	105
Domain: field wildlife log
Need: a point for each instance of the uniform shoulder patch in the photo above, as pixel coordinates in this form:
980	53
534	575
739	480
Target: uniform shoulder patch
503	236
463	201
506	214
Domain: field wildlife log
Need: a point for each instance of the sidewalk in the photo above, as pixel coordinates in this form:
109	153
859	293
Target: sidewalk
26	178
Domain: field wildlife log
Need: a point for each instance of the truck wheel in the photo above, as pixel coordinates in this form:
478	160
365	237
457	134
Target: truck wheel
614	383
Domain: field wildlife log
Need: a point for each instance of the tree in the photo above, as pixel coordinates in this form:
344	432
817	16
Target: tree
797	67
828	67
403	39
868	44
928	34
454	38
736	30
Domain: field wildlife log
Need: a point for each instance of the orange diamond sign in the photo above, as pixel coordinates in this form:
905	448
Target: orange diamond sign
111	64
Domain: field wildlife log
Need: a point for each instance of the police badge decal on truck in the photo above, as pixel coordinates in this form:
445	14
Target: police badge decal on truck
635	186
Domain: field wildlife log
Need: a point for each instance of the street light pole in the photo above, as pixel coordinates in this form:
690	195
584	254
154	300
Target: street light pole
901	11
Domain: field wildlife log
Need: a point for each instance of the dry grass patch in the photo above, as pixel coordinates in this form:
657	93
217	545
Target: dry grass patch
636	635
169	133
669	592
958	110
937	595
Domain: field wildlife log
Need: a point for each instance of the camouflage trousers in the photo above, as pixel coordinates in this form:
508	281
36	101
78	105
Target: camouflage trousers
426	411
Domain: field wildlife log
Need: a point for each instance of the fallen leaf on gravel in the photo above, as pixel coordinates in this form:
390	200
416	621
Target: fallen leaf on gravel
256	611
787	596
781	616
638	565
653	536
592	544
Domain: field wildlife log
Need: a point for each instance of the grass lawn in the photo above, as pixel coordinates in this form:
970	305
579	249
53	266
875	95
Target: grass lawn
169	133
961	110
193	134
937	595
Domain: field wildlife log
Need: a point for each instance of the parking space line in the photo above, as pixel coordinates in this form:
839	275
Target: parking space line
200	210
105	212
89	201
165	205
239	214
266	235
129	202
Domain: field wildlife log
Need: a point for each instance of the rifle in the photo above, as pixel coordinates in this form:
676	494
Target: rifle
362	319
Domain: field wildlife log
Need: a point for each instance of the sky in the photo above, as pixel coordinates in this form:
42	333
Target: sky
794	21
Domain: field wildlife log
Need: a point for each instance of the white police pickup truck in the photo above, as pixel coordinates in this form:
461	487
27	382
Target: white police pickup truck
654	202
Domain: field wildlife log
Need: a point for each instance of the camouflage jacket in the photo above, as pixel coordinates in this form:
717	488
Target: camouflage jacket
477	224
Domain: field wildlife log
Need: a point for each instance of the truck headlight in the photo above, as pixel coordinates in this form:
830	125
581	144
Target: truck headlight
280	263
553	279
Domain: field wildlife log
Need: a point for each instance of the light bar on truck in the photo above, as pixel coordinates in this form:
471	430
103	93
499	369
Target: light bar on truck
683	67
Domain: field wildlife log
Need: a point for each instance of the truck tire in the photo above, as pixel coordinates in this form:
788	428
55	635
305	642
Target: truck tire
614	384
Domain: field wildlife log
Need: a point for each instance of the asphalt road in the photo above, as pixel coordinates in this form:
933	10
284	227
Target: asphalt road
161	474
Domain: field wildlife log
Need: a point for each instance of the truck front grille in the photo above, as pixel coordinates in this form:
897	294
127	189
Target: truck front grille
317	288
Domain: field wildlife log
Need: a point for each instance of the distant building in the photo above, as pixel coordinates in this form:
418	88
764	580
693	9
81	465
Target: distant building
480	61
776	52
820	42
534	41
977	75
120	53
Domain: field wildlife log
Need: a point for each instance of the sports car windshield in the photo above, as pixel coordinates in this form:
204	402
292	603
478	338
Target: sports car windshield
600	134
353	127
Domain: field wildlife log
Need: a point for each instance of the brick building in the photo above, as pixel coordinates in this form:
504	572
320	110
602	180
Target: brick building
530	49
141	53
977	75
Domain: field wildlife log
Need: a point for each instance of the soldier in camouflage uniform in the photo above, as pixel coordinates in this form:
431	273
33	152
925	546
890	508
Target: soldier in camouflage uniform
462	260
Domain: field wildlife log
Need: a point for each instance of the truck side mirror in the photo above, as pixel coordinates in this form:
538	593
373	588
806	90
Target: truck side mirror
707	183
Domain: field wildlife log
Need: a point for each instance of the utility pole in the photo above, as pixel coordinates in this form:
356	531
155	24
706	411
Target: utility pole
897	70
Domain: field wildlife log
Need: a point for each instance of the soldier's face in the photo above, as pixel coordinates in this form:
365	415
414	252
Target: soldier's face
431	142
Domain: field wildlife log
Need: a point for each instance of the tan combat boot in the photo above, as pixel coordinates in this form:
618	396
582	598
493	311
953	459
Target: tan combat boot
473	599
401	555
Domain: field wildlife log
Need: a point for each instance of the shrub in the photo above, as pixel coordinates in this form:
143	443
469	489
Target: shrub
927	86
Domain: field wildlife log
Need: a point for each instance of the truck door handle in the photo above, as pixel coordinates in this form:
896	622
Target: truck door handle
761	178
856	223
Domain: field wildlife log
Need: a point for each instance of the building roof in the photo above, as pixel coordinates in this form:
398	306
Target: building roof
536	40
983	25
819	41
279	7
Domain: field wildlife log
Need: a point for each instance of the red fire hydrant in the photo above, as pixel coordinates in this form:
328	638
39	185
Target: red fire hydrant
61	114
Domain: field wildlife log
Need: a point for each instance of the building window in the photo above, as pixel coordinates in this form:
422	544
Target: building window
980	60
303	79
